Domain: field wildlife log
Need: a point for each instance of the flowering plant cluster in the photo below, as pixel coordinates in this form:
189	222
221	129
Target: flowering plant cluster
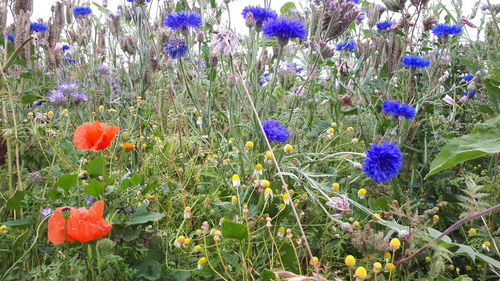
204	140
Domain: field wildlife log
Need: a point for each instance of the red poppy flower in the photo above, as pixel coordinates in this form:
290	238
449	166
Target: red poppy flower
81	225
94	135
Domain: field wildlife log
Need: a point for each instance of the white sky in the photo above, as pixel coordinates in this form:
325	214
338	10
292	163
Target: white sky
42	7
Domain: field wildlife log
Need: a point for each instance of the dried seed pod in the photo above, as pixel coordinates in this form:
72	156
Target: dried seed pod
394	52
3	18
128	44
337	17
429	22
23	5
395	5
115	26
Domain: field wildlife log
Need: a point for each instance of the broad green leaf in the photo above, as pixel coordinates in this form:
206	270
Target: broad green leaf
234	230
95	188
16	201
96	167
483	140
67	181
22	223
287	7
135	179
267	275
435	233
20	240
142	215
382	202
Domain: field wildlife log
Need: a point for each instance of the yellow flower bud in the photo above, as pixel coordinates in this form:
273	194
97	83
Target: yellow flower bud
395	244
350	261
249	145
288	148
361	273
336	186
390	267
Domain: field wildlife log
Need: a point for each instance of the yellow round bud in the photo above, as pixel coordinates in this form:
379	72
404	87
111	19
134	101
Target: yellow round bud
334	124
249	145
350	261
355	140
377	267
336	186
395	244
234	199
390	267
435	218
266	183
350	129
361	273
288	148
259	167
472	231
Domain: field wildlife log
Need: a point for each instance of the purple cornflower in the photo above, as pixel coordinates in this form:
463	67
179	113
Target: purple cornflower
260	14
415	61
383	161
176	48
441	30
284	29
346	45
398	109
38	27
182	20
383	25
341	205
275	131
82	11
46	212
468	77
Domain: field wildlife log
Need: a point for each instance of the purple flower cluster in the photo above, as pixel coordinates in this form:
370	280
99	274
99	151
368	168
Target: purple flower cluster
175	48
66	92
341	205
275	131
398	109
346	45
38	27
182	20
383	161
446	29
284	29
383	25
415	61
82	11
259	14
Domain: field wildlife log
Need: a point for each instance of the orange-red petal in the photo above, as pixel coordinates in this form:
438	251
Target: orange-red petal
94	135
56	226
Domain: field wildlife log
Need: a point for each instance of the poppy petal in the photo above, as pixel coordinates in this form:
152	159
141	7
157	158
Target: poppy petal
56	227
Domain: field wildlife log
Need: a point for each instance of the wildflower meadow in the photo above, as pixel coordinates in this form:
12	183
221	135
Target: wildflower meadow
185	140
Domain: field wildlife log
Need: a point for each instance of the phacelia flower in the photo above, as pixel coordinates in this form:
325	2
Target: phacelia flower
46	212
383	161
446	29
89	199
275	131
383	25
259	14
182	20
66	92
341	205
415	61
38	27
284	29
176	48
468	77
398	109
346	45
134	1
82	11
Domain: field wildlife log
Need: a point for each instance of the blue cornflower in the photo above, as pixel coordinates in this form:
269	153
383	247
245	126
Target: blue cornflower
260	14
11	36
38	27
398	109
275	131
71	60
346	45
446	29
134	1
82	11
182	20
468	77
284	29
383	25
383	161
175	48
65	47
470	94
415	61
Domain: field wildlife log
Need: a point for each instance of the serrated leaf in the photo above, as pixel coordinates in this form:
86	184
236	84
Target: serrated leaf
96	167
483	140
234	230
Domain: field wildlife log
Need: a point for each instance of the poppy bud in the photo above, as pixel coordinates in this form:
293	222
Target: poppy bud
66	212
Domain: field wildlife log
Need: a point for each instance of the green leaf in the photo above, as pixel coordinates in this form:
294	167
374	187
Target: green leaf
16	201
382	202
135	179
483	140
267	275
67	181
96	167
234	230
95	188
287	7
20	240
142	215
435	233
22	223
